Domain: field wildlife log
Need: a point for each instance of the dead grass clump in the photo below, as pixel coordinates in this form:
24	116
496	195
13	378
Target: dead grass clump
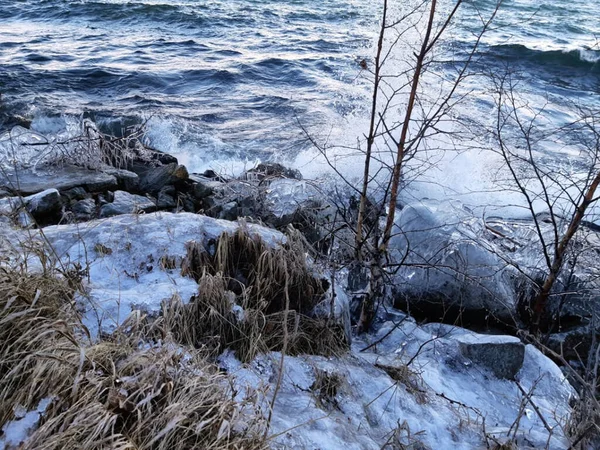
248	294
407	377
264	271
39	354
124	392
325	388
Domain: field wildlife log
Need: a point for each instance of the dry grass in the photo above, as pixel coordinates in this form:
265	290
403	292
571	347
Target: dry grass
125	392
244	287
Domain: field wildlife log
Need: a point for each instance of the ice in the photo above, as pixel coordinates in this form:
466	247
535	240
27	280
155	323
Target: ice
16	431
441	402
122	255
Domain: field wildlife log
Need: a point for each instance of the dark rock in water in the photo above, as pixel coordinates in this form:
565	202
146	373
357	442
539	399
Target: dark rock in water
214	176
28	182
76	193
271	170
126	203
155	178
166	198
145	156
8	121
502	355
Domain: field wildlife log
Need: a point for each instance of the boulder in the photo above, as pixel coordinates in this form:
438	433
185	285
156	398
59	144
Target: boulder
271	170
166	198
501	355
44	207
29	181
126	203
84	209
76	193
126	180
205	187
447	273
155	178
44	204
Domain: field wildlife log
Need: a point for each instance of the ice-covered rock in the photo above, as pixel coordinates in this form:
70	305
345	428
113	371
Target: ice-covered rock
502	355
121	259
126	203
29	181
448	271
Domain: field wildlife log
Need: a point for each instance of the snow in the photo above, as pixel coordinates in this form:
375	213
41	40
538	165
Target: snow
441	403
122	255
16	431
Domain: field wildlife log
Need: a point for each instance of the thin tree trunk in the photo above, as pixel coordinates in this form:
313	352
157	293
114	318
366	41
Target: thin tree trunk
541	301
370	139
404	133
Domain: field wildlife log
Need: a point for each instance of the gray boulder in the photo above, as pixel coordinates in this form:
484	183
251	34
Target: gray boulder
126	203
502	355
29	181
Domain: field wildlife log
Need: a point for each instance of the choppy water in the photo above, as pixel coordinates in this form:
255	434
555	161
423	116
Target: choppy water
231	79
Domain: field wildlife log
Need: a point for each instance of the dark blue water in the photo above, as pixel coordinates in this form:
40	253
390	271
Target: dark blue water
233	79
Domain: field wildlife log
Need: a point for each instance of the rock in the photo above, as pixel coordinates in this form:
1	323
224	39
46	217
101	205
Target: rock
502	355
126	180
229	211
155	178
205	187
84	209
448	275
271	170
165	198
44	205
126	203
28	181
4	193
76	193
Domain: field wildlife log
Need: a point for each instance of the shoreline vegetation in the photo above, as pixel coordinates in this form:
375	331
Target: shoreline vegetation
146	307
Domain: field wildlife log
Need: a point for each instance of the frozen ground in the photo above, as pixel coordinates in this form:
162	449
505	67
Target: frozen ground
414	388
441	401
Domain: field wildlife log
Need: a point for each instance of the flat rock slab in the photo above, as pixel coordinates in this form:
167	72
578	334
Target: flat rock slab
502	355
28	182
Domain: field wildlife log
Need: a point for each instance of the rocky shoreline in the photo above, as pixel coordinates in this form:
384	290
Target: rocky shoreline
128	228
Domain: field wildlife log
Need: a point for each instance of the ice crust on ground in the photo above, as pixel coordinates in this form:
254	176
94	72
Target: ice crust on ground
16	431
123	255
441	403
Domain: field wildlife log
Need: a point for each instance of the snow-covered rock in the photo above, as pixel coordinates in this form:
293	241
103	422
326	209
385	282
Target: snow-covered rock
502	355
121	258
441	400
